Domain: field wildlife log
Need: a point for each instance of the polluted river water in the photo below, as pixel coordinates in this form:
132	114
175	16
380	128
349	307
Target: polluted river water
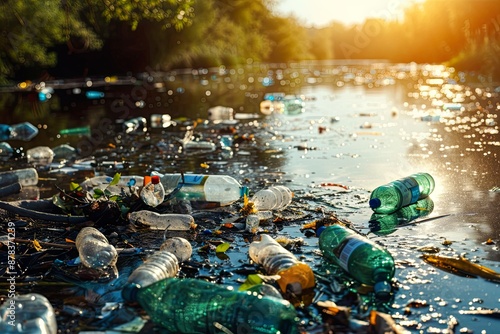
362	126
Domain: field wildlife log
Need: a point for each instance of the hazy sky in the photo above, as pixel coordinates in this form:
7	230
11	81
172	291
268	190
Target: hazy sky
322	12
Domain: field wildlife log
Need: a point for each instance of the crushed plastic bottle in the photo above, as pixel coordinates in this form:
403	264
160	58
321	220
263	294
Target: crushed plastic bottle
363	259
384	224
152	192
196	306
125	185
25	176
40	155
162	221
160	265
272	198
28	313
220	189
94	249
296	280
399	193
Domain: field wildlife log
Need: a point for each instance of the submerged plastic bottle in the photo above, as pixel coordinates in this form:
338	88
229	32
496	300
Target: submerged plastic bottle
383	224
158	266
29	313
364	260
94	249
296	278
152	192
178	246
272	198
405	191
196	306
25	176
163	221
220	189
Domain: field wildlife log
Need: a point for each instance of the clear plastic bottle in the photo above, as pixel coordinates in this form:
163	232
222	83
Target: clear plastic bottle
29	313
253	220
64	152
405	191
152	192
102	182
5	131
178	246
25	176
220	189
364	260
272	198
135	125
94	249
160	265
220	113
384	224
296	281
40	155
162	221
23	131
196	306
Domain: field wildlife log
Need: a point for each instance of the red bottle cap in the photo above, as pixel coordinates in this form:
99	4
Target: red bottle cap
155	179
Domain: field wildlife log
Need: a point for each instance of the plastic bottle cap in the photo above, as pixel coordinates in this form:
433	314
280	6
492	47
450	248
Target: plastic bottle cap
146	180
382	290
155	179
375	203
319	230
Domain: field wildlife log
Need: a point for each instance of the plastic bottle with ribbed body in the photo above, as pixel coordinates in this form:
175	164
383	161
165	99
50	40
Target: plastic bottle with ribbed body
197	306
162	221
402	192
94	249
364	260
296	278
220	189
160	265
383	224
25	176
272	198
30	313
152	192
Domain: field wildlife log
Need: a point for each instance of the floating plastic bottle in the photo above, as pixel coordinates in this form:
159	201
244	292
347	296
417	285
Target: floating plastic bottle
94	249
29	313
163	221
5	131
103	182
199	145
293	105
253	220
160	265
196	306
135	125
296	278
25	176
272	198
383	224
23	131
152	192
64	152
364	260
40	155
220	189
161	121
178	246
399	193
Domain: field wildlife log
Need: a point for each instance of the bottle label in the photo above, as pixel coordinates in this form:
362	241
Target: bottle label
344	250
194	179
409	189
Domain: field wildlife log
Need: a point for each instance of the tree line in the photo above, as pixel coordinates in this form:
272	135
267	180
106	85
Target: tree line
74	38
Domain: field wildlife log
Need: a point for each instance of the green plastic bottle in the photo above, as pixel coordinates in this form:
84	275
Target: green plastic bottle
364	260
399	193
384	224
196	306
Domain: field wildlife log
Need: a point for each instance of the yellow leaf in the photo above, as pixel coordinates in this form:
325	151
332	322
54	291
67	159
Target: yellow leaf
37	245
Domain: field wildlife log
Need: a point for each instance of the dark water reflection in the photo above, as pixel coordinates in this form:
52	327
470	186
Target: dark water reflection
364	125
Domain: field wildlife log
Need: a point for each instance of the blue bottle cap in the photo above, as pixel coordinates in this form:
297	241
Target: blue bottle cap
319	230
375	203
382	290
